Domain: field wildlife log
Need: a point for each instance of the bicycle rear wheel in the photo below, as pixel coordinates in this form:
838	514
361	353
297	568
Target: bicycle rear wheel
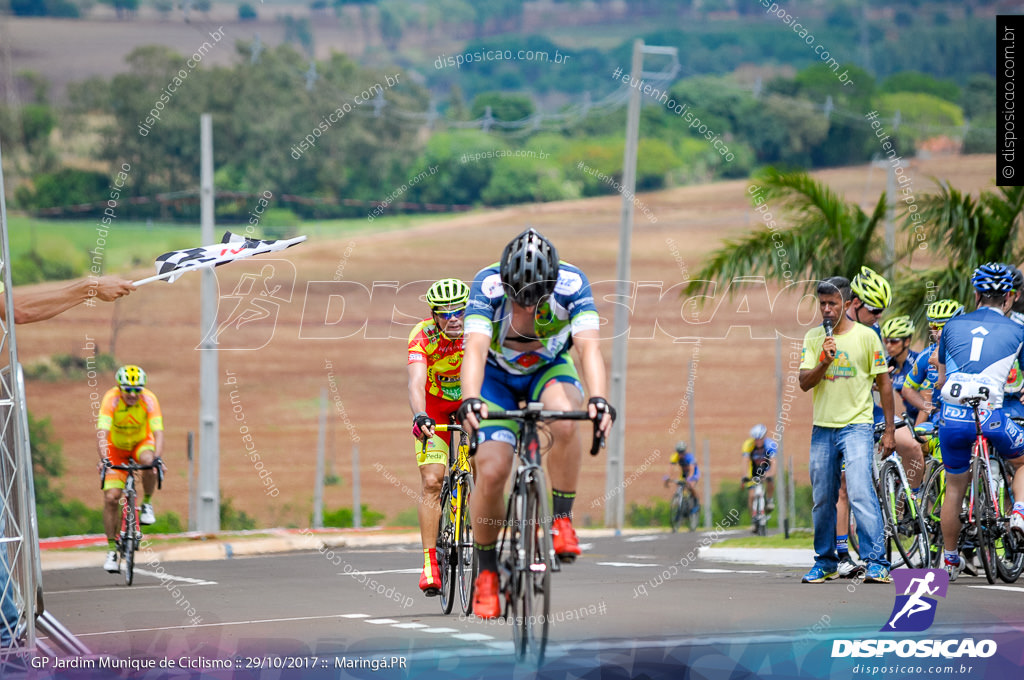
446	553
984	518
692	519
908	532
131	523
467	566
1009	551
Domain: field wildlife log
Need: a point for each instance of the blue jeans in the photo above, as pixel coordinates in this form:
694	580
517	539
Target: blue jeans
829	448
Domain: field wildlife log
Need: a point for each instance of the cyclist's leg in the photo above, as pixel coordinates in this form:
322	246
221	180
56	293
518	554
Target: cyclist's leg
956	438
433	464
113	487
144	453
913	459
750	496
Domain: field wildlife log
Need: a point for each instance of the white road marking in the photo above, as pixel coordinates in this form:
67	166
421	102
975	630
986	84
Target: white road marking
1010	588
410	625
386	571
378	622
355	616
472	637
184	579
626	564
440	630
641	539
134	588
729	571
222	623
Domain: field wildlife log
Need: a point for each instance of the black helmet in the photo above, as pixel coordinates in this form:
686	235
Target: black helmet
529	268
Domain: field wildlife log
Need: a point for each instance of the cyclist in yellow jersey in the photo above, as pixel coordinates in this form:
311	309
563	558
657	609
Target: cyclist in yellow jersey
130	427
435	359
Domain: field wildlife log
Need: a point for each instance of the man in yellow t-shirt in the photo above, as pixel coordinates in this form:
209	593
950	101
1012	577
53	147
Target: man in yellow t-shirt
130	427
840	361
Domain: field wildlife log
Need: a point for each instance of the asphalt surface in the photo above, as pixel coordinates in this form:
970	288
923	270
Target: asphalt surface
627	594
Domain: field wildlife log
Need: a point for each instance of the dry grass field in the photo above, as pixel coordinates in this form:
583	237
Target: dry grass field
319	342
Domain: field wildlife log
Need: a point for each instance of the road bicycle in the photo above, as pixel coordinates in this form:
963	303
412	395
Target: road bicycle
526	556
131	535
905	526
455	556
1008	550
759	516
684	507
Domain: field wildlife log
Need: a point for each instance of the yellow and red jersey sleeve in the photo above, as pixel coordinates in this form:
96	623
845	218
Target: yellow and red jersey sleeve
419	343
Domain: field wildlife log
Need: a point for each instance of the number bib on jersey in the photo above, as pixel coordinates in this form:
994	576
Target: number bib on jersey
962	386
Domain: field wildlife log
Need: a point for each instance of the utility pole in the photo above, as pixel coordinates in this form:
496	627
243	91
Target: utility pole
208	515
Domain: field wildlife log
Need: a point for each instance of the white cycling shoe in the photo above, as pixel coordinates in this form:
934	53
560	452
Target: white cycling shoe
111	564
146	516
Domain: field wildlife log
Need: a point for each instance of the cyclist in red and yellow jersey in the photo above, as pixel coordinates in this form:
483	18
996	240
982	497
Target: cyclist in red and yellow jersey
130	427
435	393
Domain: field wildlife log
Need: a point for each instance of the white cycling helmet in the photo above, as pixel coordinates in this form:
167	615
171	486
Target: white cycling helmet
758	431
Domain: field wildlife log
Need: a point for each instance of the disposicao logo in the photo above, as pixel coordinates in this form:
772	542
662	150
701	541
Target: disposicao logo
914	612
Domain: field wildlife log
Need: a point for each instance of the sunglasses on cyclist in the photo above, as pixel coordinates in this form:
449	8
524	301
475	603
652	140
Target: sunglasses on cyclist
451	314
874	310
131	390
893	341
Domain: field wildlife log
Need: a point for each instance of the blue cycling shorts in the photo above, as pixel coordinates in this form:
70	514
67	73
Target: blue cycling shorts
504	390
957	435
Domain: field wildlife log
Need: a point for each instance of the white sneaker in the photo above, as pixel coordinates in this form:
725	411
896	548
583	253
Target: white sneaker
147	517
111	564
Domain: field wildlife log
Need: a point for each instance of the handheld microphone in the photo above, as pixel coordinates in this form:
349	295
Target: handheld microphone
827	323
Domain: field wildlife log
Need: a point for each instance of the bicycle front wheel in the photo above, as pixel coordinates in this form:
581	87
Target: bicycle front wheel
467	566
131	523
692	518
907	530
984	518
1009	551
930	508
535	591
676	511
446	553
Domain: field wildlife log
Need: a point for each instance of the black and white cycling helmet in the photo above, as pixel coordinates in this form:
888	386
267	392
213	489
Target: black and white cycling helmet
680	447
529	268
758	431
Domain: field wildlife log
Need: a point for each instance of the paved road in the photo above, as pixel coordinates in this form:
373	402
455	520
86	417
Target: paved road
628	596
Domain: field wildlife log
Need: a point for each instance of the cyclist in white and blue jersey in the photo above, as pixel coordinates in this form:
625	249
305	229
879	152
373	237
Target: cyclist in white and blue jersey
975	355
524	314
925	372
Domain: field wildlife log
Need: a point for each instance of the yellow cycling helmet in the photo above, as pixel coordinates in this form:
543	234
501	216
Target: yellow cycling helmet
130	376
941	311
450	293
898	327
871	288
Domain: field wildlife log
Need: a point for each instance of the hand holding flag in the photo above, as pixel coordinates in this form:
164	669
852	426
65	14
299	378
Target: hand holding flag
232	247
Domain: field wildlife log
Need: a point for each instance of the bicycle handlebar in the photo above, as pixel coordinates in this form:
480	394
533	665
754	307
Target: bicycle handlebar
540	415
132	466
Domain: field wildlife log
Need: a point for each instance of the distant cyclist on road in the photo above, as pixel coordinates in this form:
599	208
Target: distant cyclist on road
975	355
130	427
689	472
524	313
435	358
760	451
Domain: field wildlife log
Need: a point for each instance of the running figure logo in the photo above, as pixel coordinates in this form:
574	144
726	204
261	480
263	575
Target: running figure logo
914	610
250	310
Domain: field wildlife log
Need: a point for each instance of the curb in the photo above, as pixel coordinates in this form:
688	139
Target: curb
230	546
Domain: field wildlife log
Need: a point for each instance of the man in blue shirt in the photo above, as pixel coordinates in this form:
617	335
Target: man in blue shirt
975	355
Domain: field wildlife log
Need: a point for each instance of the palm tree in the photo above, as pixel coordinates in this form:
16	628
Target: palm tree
825	236
966	232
